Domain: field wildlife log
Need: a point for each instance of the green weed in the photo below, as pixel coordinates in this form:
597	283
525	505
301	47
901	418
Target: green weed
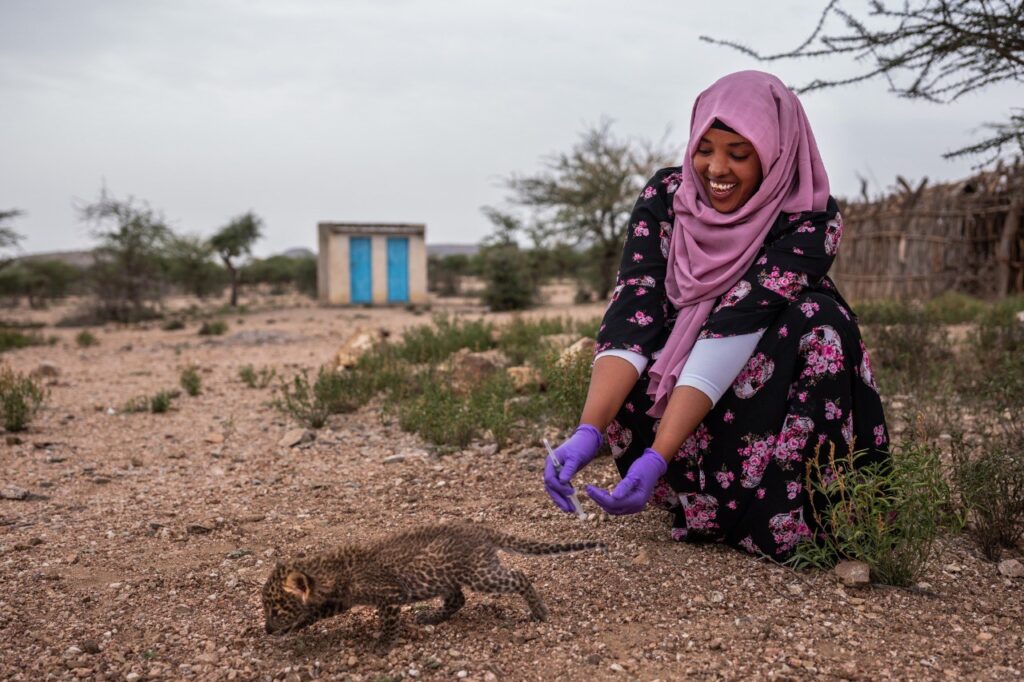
190	380
213	328
21	397
86	339
256	378
990	486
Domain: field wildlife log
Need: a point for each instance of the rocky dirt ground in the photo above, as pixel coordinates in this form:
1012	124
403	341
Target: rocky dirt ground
142	545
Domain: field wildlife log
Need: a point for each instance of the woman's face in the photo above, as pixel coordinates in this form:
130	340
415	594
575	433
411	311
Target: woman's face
729	167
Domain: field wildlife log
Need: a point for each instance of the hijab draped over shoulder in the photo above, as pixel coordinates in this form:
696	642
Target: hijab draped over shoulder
710	251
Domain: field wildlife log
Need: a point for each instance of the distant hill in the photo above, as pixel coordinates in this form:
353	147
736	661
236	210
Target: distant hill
299	252
442	250
79	259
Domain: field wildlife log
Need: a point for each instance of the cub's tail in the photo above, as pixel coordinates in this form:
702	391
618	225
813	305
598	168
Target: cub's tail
520	546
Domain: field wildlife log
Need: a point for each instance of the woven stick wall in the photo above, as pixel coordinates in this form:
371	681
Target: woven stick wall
922	241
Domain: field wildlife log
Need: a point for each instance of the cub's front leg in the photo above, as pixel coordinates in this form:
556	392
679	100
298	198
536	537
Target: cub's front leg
388	615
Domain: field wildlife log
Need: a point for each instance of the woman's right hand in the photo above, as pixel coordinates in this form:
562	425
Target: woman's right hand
574	454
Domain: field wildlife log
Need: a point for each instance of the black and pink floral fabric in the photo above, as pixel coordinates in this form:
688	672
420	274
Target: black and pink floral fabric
739	478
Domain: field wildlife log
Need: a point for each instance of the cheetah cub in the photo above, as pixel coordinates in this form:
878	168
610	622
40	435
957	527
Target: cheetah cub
419	564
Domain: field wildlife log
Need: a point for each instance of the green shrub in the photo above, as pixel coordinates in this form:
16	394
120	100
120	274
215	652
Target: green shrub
588	328
886	514
190	380
254	378
434	343
510	283
21	397
173	324
567	383
330	393
12	338
86	339
884	312
910	355
990	487
157	403
520	339
953	307
213	328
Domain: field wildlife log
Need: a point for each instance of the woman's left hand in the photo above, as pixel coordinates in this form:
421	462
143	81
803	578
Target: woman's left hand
631	494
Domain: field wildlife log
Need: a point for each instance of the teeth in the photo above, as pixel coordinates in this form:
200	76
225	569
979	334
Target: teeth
719	187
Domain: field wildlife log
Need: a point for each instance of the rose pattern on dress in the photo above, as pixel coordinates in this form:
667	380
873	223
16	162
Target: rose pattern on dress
649	192
640	229
823	353
700	511
785	283
641	318
619	437
665	235
833	234
792	439
789	530
865	371
696	445
755	454
754	375
847	429
730	298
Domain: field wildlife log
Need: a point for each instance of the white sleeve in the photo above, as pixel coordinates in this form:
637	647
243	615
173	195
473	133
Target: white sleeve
714	364
636	359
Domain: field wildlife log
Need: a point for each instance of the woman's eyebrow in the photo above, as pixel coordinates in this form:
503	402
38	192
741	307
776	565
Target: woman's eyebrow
705	140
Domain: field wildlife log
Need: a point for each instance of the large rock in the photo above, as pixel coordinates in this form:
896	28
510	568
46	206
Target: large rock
853	573
467	368
582	347
1011	568
356	346
523	377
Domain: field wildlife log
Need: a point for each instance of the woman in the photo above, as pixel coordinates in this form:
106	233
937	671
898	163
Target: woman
727	358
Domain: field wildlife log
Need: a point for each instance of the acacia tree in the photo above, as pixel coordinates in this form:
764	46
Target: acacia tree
190	265
128	274
935	50
8	237
234	241
583	197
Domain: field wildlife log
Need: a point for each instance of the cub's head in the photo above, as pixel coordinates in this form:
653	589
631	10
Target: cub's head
288	600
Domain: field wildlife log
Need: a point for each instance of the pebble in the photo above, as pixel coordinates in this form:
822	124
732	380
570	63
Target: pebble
616	668
853	573
14	493
297	437
132	677
1011	568
985	636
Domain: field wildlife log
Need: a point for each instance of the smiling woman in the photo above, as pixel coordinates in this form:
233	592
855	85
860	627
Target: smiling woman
727	360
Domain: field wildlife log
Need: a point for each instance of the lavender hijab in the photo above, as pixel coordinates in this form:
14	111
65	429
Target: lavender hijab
710	251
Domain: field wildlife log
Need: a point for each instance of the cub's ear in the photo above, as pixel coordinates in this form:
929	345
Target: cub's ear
298	583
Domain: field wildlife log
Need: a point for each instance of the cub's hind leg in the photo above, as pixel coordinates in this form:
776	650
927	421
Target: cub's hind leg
452	603
496	579
388	615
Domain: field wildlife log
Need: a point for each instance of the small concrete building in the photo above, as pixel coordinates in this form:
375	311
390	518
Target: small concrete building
372	263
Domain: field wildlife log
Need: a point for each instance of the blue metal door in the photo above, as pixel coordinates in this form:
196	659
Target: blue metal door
360	270
398	270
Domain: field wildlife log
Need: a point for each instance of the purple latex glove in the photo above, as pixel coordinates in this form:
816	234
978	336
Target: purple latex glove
574	454
631	494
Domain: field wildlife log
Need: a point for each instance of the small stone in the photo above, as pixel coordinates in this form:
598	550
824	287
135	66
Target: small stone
616	668
853	573
352	661
593	659
462	674
297	437
490	677
716	597
239	553
794	589
214	438
197	529
72	650
90	646
716	644
1011	568
13	440
395	459
132	677
856	601
209	657
46	370
641	559
14	493
951	568
985	636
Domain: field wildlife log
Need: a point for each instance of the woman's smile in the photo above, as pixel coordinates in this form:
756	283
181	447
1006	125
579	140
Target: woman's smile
729	168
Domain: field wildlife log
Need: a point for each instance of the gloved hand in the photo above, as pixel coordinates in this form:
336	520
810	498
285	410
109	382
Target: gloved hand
633	491
574	454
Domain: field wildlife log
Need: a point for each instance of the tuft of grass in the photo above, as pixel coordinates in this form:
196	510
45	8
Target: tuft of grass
173	324
11	339
434	343
86	339
887	514
567	384
157	403
990	487
953	307
190	380
911	355
21	397
310	403
213	328
520	339
256	378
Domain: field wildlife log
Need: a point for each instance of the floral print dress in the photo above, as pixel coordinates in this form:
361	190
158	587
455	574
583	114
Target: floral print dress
808	385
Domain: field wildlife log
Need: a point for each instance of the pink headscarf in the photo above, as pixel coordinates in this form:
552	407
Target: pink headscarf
710	251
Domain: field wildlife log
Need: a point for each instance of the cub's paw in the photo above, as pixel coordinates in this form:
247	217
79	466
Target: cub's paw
432	616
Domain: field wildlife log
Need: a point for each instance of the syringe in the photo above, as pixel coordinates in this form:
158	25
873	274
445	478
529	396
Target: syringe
558	469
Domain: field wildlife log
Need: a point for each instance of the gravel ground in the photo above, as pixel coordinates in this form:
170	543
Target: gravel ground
141	548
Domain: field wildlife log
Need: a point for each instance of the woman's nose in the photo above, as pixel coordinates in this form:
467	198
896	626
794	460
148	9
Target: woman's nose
717	167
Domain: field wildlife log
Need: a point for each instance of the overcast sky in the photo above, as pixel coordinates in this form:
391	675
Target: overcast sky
390	110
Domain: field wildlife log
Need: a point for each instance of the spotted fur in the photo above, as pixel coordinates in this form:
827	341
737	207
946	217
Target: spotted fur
419	564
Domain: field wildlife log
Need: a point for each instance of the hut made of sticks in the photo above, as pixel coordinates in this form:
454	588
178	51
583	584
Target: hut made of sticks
919	242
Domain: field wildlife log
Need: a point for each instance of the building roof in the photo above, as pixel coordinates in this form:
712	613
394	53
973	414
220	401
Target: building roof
413	229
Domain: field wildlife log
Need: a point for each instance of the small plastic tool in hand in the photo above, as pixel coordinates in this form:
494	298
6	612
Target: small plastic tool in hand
553	458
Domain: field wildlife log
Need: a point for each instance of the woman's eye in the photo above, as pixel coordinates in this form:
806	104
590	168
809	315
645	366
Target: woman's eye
704	152
740	158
